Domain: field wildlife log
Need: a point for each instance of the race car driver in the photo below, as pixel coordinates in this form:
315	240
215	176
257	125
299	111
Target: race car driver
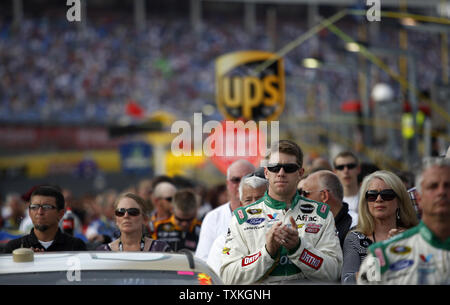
283	236
420	255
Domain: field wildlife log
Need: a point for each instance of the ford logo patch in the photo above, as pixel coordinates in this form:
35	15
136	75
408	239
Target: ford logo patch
404	263
255	221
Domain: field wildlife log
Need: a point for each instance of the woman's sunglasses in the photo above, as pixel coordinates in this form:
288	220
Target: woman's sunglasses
287	167
386	195
131	211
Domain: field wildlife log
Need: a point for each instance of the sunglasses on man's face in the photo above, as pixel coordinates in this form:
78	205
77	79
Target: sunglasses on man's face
349	166
235	180
179	219
131	211
257	174
305	194
386	195
287	167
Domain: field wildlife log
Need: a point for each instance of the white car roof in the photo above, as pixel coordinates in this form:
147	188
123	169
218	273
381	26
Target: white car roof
95	260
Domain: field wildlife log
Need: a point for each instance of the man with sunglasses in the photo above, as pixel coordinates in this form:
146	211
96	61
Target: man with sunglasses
282	237
420	255
162	198
216	221
46	209
182	229
347	168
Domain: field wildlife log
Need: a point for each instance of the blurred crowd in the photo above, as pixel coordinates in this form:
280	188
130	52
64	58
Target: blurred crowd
94	213
50	70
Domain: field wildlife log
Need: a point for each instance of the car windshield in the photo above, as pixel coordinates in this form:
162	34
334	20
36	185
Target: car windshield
107	277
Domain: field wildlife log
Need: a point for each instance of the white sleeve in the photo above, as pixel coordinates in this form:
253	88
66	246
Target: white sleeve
206	238
215	254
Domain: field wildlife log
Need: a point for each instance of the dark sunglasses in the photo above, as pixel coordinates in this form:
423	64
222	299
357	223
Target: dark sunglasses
257	174
287	167
304	193
235	180
184	219
349	166
45	207
131	211
386	195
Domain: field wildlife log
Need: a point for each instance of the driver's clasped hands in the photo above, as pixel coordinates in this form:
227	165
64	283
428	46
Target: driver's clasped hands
282	235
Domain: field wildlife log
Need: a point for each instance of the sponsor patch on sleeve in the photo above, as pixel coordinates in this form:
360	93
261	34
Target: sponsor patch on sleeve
311	260
250	259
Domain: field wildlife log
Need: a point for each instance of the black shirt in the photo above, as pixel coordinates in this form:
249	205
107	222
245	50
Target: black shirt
343	221
62	242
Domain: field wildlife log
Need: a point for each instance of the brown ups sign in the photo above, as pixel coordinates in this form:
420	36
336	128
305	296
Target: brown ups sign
242	92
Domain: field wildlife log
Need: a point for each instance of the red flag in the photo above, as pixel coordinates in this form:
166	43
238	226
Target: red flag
134	109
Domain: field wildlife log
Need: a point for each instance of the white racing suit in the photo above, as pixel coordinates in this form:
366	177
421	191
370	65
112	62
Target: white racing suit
245	259
415	256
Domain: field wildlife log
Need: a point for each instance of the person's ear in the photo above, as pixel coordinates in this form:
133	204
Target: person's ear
301	171
61	213
325	196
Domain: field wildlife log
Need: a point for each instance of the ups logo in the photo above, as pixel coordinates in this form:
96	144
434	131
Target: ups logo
242	94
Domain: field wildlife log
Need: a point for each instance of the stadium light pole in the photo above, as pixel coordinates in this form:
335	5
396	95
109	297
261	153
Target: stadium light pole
139	15
196	15
17	14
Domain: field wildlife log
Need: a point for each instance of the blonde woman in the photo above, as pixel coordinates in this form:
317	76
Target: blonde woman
131	217
385	209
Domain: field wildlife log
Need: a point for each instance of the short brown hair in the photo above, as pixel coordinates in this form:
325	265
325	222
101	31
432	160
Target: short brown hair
185	200
344	154
288	147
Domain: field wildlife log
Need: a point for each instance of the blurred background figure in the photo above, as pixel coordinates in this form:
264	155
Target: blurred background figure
346	167
182	229
13	212
217	195
216	221
103	229
162	199
251	188
318	164
144	190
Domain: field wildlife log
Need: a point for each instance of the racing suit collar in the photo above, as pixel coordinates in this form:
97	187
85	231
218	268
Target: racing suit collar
432	239
279	205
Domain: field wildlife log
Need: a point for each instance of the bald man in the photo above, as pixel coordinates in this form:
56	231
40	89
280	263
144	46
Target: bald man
216	221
